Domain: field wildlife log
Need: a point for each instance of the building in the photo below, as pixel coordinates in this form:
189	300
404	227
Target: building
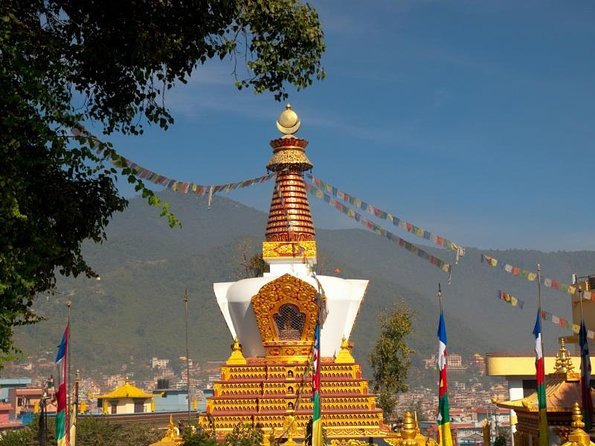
6	421
157	363
125	399
9	383
266	381
24	401
169	399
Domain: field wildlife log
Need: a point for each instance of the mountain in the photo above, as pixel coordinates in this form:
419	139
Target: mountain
136	310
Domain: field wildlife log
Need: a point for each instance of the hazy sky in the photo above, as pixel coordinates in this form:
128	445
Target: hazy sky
472	119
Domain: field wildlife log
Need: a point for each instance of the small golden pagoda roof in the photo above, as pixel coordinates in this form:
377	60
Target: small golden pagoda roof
125	391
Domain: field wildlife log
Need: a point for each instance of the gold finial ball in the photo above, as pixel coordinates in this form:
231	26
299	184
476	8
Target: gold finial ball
288	122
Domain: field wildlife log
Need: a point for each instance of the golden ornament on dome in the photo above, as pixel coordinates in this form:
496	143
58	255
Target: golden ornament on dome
288	122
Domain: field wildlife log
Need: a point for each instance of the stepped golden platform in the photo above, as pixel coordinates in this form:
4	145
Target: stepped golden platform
265	395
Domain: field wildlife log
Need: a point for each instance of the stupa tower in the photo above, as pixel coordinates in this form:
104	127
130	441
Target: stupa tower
266	380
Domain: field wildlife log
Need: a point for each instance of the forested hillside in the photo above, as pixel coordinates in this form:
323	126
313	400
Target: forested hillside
136	309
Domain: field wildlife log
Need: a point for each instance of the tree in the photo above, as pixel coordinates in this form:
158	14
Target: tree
390	357
90	431
65	63
241	435
20	437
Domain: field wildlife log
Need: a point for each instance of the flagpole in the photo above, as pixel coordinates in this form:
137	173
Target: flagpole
68	399
586	402
443	420
539	302
74	411
580	299
542	435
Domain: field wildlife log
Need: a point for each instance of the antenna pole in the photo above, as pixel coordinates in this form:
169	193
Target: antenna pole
187	354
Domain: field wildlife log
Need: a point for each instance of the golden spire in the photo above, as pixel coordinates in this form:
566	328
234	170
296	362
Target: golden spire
563	359
344	356
290	231
578	436
236	357
409	429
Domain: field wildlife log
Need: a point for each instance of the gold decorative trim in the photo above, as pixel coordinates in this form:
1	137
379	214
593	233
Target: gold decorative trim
277	250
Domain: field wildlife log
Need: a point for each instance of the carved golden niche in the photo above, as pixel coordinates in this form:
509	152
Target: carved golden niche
286	313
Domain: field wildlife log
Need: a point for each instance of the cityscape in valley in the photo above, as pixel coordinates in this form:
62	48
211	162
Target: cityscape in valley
471	394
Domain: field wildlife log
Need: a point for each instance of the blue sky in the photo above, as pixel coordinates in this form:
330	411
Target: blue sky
472	119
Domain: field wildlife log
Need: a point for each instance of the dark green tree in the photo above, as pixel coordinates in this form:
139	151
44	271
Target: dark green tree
244	435
391	357
21	437
241	435
110	63
90	431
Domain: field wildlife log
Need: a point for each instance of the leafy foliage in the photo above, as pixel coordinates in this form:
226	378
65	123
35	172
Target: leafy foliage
502	436
21	437
65	63
390	357
241	435
244	435
94	431
91	431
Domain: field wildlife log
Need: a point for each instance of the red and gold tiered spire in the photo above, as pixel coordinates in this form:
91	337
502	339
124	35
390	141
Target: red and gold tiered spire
290	235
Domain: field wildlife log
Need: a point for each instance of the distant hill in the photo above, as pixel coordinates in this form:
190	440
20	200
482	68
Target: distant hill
136	309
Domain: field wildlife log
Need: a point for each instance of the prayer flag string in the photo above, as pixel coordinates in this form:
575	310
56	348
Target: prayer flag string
545	315
183	187
532	277
377	229
438	240
509	298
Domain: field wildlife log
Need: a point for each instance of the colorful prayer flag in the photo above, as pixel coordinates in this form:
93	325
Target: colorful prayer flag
61	393
586	401
542	434
445	436
317	437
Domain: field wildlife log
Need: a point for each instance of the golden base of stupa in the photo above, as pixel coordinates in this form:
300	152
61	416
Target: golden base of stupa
276	397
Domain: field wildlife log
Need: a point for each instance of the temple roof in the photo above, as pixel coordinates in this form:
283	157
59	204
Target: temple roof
562	388
125	391
560	396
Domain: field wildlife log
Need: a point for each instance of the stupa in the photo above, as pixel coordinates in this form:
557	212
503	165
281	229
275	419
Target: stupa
266	380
